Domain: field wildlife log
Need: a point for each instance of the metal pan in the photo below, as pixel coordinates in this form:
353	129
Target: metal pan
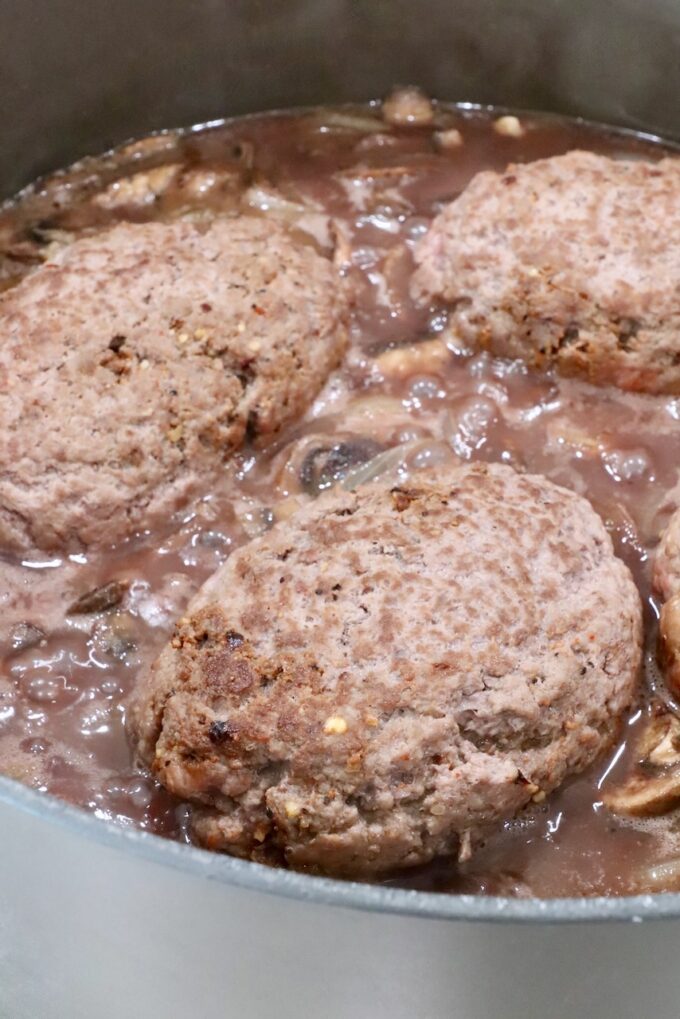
97	922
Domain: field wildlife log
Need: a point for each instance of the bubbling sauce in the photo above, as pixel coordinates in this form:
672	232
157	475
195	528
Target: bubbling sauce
75	631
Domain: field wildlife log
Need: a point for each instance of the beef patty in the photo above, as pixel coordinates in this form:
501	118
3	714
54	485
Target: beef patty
667	585
374	681
135	362
571	261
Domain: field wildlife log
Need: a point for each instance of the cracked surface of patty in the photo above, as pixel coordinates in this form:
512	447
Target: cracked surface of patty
135	362
375	681
570	261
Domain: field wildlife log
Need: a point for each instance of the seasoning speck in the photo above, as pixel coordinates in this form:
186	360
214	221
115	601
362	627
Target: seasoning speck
335	725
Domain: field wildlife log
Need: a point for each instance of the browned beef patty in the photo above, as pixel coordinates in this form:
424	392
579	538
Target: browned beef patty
390	671
667	560
133	364
572	261
667	585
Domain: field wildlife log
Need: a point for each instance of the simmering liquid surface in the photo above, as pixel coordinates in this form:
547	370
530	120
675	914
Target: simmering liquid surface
346	178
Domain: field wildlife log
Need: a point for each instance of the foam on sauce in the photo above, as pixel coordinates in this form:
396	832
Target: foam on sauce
65	675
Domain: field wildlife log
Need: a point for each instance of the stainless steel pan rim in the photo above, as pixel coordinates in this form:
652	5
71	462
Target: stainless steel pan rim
461	107
326	891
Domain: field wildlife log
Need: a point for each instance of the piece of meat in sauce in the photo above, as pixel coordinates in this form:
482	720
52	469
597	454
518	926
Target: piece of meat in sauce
137	361
570	261
377	679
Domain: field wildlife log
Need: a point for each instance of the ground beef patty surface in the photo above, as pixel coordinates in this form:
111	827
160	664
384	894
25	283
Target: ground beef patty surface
391	670
134	363
667	585
572	261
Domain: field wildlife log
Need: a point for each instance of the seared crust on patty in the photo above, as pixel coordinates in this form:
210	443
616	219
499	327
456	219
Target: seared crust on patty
132	365
389	671
570	261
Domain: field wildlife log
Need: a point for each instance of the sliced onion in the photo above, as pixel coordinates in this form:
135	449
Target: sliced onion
375	407
305	217
348	122
270	200
391	460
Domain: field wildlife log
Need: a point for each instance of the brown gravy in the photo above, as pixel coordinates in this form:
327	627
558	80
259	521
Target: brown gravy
65	674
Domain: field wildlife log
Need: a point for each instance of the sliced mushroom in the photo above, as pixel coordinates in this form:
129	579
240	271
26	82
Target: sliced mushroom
117	637
25	635
660	742
654	785
644	796
328	463
174	188
139	189
101	599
